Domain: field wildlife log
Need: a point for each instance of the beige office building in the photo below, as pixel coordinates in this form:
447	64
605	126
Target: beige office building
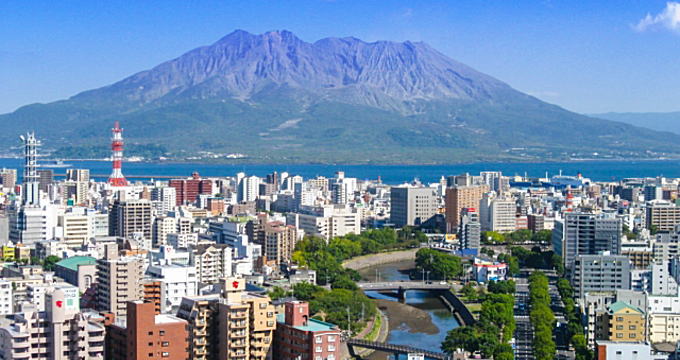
458	198
130	216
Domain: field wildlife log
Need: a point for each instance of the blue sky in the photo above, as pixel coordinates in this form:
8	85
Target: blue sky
587	56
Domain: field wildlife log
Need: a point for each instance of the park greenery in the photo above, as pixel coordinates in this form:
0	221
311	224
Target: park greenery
326	259
541	316
492	333
535	258
574	327
516	237
438	265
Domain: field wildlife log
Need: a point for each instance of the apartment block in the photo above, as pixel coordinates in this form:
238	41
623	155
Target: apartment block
119	280
144	335
299	337
458	198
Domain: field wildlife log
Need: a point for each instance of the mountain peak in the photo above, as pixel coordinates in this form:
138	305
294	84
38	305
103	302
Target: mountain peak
383	74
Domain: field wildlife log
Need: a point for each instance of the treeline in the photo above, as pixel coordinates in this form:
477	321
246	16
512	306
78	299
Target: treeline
333	305
492	333
535	258
574	327
516	237
542	317
439	265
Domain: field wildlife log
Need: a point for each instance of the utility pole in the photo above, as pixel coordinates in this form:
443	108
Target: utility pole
423	275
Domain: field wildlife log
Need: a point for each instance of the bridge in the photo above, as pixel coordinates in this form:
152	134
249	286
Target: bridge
402	286
393	349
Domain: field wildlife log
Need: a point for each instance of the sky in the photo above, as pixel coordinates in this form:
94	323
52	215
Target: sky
587	56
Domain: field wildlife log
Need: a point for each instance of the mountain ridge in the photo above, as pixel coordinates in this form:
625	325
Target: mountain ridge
278	98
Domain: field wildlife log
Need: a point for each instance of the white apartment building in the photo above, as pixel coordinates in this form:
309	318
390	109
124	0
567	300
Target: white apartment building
6	297
177	281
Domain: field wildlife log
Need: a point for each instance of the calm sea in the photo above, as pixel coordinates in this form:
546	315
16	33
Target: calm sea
391	174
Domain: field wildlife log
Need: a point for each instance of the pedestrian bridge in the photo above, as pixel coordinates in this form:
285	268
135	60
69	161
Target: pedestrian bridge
391	348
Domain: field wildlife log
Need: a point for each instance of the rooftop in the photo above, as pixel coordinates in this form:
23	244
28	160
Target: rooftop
313	325
73	262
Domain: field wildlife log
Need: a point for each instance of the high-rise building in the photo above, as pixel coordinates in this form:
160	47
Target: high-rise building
164	198
298	336
61	332
248	188
498	214
8	178
342	188
662	216
412	206
236	325
279	242
601	272
459	197
119	280
127	217
143	335
586	234
212	261
45	179
469	229
187	190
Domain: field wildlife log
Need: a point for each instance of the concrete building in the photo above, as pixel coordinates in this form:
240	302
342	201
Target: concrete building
235	325
143	335
164	199
326	222
212	261
119	280
469	229
586	234
248	188
6	297
497	214
458	198
61	332
298	337
279	242
130	216
80	271
599	273
176	282
615	350
662	215
623	322
187	190
412	206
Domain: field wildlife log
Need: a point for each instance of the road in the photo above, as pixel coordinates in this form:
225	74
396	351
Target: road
524	333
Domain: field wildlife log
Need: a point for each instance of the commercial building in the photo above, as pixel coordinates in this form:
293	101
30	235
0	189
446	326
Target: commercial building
458	198
412	206
187	190
298	336
127	217
469	230
326	222
143	335
176	282
662	216
586	234
602	272
498	214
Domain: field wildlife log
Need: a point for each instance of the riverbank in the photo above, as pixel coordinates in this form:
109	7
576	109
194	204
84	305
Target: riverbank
365	261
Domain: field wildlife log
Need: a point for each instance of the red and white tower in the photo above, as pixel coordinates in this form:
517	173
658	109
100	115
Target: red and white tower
117	178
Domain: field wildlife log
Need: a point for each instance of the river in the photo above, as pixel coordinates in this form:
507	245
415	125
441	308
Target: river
422	322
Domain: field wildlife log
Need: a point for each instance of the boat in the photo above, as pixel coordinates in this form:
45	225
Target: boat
56	164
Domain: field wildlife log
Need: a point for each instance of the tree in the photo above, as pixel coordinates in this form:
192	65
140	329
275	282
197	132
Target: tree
469	291
277	293
344	282
501	287
464	337
492	237
305	291
48	263
542	236
440	265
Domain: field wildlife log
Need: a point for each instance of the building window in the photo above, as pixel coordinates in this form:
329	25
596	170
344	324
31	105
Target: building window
318	349
162	332
318	340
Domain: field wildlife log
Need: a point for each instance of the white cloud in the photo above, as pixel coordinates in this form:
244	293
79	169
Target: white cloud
668	19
